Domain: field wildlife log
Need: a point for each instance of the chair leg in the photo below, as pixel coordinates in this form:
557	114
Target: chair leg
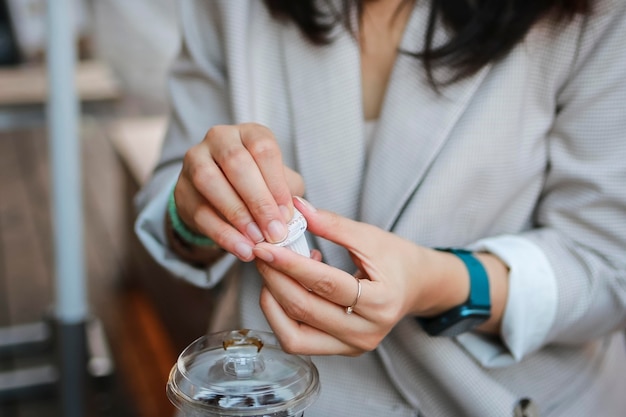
81	352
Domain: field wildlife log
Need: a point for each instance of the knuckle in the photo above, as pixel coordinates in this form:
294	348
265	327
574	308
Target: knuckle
254	126
216	132
256	129
190	157
237	215
260	139
388	313
387	320
201	171
324	286
201	175
264	147
354	353
369	345
296	309
262	208
233	159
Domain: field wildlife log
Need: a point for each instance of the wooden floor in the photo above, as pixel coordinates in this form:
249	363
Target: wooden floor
146	327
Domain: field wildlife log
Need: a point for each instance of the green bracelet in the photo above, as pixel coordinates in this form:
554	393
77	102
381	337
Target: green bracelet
181	228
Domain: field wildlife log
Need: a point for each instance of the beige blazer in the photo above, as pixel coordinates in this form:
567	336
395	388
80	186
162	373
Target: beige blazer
532	147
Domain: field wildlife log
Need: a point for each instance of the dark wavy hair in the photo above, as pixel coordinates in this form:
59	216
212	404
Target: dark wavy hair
483	30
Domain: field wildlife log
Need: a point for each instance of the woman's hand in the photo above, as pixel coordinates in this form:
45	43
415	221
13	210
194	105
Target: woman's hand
397	277
235	189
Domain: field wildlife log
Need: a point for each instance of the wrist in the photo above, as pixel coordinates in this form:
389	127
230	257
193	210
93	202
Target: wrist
194	254
449	284
190	246
181	230
474	311
498	282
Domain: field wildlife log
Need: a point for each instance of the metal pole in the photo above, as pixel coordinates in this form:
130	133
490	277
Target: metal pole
63	115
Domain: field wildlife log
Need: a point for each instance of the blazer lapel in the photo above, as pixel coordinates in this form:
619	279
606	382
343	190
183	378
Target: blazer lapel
325	90
414	124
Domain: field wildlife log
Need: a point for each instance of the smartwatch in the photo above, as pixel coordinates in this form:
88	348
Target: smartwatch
473	312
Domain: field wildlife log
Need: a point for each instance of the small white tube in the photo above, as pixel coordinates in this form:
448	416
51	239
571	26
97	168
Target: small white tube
296	238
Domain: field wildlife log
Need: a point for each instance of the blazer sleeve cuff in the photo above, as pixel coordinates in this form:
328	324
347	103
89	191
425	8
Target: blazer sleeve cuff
531	303
150	231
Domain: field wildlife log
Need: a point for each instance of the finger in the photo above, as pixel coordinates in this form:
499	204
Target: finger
202	173
299	338
354	236
243	173
330	283
262	145
199	216
316	255
307	308
295	182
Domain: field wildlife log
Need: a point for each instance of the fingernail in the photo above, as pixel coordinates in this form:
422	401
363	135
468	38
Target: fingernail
306	204
243	250
277	231
284	210
263	254
254	233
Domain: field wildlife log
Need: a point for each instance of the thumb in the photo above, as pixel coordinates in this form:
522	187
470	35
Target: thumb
335	228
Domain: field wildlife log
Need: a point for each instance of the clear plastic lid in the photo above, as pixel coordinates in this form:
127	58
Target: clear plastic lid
241	373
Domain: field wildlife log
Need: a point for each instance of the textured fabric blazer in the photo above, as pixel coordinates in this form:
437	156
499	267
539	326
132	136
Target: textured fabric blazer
530	149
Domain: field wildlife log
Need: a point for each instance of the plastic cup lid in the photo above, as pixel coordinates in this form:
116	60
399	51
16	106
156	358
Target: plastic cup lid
241	373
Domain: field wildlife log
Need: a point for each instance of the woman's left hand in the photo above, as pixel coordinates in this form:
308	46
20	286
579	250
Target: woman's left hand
305	301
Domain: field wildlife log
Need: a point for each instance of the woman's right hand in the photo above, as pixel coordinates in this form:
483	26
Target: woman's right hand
235	189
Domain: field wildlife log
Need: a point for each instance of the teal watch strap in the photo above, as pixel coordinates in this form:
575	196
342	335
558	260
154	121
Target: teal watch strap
479	281
473	312
181	228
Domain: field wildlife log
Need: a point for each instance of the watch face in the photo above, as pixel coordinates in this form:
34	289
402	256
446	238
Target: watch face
462	326
456	321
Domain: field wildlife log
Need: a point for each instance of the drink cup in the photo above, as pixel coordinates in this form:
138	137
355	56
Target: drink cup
241	373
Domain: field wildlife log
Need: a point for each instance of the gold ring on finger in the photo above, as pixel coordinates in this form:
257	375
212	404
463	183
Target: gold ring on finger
350	308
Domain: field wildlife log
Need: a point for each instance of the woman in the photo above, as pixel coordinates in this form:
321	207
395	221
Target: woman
492	127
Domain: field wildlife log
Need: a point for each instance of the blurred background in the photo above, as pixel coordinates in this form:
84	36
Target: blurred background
140	318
